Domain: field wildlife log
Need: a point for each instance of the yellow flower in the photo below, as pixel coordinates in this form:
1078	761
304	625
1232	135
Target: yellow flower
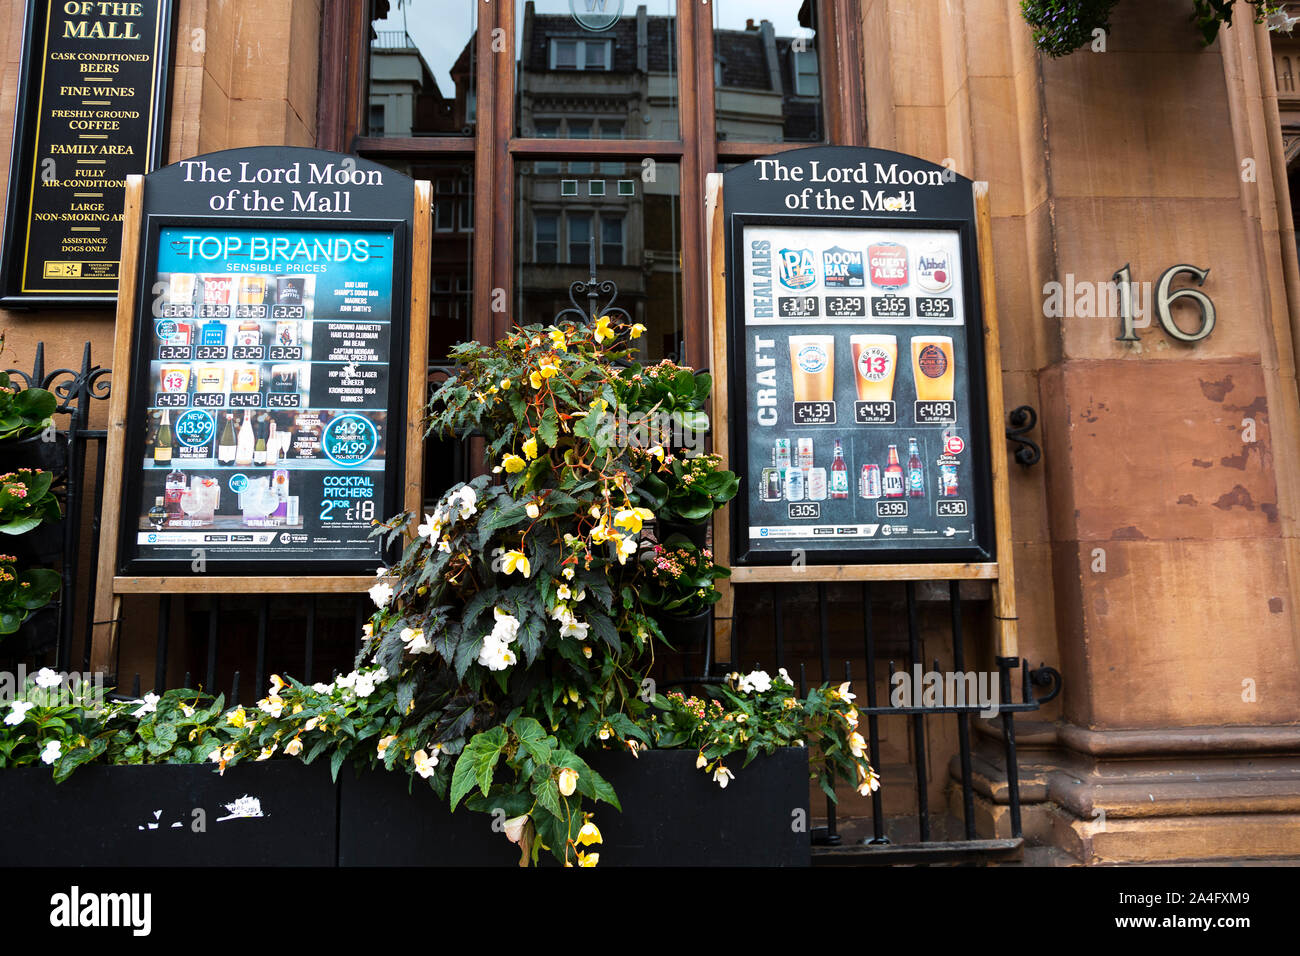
588	859
557	340
637	331
602	329
599	405
547	368
631	518
586	651
516	561
384	743
589	834
277	684
568	781
513	463
505	384
236	718
535	380
530	448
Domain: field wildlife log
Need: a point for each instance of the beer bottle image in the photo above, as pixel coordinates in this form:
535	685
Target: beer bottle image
893	477
839	473
915	471
226	442
162	448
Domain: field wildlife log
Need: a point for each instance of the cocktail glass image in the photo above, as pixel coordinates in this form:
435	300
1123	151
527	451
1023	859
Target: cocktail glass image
192	501
210	495
258	500
932	367
812	366
875	359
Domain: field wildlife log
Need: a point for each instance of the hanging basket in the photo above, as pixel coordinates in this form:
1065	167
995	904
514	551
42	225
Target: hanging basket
695	533
687	632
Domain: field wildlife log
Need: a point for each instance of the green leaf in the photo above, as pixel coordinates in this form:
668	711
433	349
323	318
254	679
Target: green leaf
476	764
548	430
533	738
590	783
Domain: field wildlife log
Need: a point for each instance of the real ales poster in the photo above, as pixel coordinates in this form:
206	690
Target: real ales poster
858	399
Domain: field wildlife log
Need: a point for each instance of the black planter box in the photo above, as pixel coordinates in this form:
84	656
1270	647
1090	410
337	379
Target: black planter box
127	816
673	815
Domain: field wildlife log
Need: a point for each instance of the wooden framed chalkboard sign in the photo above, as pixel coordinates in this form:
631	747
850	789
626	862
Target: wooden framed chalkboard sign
272	331
856	365
91	110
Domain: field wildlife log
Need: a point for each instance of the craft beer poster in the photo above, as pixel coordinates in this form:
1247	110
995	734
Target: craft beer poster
266	416
855	411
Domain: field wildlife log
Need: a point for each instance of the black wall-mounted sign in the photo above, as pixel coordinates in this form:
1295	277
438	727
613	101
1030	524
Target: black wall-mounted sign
92	104
269	373
858	402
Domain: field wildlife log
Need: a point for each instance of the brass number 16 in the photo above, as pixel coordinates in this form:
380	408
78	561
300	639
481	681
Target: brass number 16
1163	299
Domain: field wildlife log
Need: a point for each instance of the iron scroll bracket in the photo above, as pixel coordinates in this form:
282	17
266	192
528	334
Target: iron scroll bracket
1022	421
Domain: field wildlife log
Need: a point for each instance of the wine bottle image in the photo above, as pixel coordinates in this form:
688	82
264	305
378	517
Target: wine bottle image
244	443
226	442
162	447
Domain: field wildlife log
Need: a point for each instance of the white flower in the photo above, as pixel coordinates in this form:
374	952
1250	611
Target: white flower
380	675
381	593
568	573
215	756
568	781
755	682
574	628
346	680
17	711
425	763
323	688
626	548
531	509
365	685
857	746
380	572
507	626
431	528
149	705
273	705
785	675
384	744
466	498
293	747
845	694
563	592
722	776
514	827
47	678
52	752
701	761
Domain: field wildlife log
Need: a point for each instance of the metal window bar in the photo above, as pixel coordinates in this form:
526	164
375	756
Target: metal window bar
927	847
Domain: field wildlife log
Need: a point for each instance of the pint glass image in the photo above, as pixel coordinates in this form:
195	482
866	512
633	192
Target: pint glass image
812	366
875	357
932	367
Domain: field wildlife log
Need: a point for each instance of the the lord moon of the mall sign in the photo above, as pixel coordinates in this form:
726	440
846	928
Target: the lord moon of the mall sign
91	109
268	381
857	402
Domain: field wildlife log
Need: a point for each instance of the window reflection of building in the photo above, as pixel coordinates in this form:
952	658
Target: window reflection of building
405	99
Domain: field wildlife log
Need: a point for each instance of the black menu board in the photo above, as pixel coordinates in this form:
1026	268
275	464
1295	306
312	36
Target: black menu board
91	109
857	397
269	374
